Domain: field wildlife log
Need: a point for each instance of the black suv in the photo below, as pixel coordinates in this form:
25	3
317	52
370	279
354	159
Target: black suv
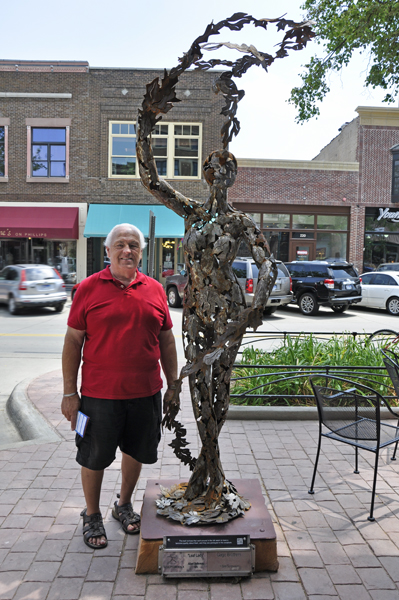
315	282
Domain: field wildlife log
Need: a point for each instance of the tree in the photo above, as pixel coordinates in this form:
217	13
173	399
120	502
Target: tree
370	26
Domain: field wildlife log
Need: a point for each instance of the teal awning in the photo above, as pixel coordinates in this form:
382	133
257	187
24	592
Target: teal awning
103	217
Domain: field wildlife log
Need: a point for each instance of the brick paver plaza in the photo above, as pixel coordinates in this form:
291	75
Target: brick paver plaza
326	546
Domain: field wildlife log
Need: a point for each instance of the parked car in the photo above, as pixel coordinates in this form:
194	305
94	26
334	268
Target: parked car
30	286
330	283
73	290
388	267
169	272
247	274
381	290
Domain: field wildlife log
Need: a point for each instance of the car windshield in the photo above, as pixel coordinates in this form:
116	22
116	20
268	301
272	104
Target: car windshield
389	267
343	272
37	273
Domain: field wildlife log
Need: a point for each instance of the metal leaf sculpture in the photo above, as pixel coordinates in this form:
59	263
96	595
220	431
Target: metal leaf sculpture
215	316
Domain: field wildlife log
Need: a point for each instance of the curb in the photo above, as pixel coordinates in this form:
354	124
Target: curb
29	422
272	413
282	413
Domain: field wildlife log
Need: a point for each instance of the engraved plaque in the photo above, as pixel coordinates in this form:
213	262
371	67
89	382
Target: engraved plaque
205	562
206	541
231	561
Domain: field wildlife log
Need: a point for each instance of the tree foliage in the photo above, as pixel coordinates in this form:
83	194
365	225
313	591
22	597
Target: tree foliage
370	26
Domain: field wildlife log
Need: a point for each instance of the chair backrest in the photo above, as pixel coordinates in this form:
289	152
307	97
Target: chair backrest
344	404
391	362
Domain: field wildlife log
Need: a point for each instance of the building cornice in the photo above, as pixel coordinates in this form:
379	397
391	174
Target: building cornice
45	66
311	165
378	116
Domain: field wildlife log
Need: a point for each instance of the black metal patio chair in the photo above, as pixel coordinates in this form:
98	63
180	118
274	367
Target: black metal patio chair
391	362
350	412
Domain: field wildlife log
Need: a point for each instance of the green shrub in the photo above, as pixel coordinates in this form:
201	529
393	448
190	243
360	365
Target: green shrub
303	352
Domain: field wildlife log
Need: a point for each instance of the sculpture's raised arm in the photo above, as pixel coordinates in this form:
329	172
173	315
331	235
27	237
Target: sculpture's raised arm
157	186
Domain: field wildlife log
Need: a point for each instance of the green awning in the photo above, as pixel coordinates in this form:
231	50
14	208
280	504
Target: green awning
103	217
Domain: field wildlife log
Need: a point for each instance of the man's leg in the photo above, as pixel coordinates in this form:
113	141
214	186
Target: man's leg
130	473
91	483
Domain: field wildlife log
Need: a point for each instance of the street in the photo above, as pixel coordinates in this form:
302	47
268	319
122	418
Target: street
31	343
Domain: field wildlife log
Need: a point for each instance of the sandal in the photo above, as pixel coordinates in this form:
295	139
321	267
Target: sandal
126	515
93	527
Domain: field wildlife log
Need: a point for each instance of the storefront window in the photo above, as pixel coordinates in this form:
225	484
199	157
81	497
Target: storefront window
332	222
58	254
381	239
380	248
168	257
255	217
276	221
303	221
279	244
331	246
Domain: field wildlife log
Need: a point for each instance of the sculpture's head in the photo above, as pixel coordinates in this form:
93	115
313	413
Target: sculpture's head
220	169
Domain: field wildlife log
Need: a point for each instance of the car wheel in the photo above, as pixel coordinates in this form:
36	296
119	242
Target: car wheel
270	310
12	306
59	307
340	308
393	306
308	304
173	297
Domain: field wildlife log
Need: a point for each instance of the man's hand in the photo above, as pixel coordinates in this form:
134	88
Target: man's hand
69	408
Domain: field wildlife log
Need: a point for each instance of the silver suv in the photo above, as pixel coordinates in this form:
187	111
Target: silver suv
30	286
247	274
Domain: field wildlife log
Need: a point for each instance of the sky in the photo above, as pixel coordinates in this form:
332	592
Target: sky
128	33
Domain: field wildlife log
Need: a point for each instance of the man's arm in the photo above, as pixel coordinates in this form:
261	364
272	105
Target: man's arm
167	348
71	357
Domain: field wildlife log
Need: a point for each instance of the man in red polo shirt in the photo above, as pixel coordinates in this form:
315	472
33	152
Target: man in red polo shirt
120	319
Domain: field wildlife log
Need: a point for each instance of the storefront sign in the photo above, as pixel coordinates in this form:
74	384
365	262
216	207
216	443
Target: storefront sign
12	233
389	216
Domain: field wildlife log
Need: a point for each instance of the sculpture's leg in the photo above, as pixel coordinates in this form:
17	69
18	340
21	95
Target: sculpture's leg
210	394
208	472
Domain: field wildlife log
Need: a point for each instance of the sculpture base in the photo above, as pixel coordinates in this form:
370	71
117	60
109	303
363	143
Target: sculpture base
256	523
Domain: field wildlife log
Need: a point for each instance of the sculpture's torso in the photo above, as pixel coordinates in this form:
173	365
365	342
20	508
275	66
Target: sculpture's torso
213	290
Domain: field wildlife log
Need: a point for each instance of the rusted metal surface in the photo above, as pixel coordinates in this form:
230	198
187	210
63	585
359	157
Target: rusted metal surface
215	316
257	521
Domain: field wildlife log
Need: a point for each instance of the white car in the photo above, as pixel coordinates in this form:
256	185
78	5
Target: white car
381	290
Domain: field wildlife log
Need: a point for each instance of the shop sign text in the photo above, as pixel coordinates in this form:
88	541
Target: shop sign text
389	216
21	234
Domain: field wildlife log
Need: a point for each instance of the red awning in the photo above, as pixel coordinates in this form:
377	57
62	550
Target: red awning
45	222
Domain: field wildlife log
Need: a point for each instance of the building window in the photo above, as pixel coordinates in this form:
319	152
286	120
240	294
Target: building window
395	175
186	150
302	221
4	149
176	149
48	152
123	149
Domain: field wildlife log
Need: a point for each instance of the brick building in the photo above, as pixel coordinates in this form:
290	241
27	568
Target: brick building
68	165
331	206
68	172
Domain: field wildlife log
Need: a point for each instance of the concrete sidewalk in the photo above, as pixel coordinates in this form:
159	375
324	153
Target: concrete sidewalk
326	546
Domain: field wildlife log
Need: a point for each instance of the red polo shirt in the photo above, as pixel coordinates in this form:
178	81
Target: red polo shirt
122	324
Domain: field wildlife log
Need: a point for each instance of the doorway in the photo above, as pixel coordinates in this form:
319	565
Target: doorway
167	258
303	250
